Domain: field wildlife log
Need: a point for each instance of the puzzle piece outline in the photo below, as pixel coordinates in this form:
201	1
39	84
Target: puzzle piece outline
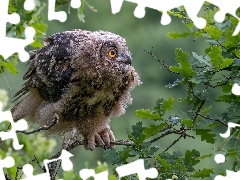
66	164
8	45
192	8
139	12
52	14
7	162
220	158
11	134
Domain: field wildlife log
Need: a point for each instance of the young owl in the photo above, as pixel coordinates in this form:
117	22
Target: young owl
85	78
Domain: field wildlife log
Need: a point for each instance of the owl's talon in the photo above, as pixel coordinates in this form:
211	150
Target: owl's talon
99	140
89	147
107	136
102	139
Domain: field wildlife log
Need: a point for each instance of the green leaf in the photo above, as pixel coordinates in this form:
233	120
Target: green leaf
163	105
202	59
230	40
137	129
163	162
175	13
111	156
206	135
216	56
227	88
137	135
184	67
69	175
233	153
37	43
217	59
187	122
80	14
176	35
40	28
199	78
11	67
158	106
214	32
112	177
153	150
190	158
147	114
203	173
125	154
226	62
204	156
232	111
205	111
175	83
168	104
153	129
101	167
227	98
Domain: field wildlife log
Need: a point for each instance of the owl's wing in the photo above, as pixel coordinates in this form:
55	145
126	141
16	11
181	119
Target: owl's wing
50	69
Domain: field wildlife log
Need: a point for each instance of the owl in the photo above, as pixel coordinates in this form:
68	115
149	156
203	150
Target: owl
85	78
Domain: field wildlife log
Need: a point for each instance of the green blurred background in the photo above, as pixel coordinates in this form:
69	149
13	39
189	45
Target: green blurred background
140	34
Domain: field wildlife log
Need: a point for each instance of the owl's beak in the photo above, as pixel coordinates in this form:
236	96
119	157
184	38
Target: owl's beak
128	60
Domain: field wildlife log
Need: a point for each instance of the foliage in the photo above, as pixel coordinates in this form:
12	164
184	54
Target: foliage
208	80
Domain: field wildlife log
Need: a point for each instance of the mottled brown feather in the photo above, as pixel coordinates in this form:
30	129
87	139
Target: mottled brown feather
74	76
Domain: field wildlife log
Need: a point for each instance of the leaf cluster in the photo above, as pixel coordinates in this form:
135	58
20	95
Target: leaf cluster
208	80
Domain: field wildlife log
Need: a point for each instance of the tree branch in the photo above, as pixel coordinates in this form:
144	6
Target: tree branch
174	142
161	62
43	128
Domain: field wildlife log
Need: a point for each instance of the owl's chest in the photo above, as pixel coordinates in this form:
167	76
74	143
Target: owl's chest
91	99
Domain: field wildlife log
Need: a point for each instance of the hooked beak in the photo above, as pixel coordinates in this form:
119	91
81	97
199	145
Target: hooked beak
128	60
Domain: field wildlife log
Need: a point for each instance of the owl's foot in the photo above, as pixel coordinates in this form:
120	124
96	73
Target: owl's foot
102	138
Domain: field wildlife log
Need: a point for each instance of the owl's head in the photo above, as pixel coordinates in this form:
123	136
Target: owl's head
111	49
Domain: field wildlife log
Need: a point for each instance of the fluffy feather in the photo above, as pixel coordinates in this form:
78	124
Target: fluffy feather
76	77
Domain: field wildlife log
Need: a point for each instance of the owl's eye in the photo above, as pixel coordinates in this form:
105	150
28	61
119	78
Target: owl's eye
112	53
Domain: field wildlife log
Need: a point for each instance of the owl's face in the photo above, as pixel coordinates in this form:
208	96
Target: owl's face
112	50
115	52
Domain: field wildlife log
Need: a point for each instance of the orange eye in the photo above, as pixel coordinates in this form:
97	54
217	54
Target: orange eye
112	53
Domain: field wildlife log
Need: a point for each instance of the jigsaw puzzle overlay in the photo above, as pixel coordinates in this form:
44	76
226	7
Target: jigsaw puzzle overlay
9	46
11	134
220	158
18	45
192	8
8	162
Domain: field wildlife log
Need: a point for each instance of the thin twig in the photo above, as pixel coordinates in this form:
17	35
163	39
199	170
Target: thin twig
198	111
54	122
20	168
7	177
5	79
213	119
161	136
60	163
89	6
38	163
174	142
161	62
